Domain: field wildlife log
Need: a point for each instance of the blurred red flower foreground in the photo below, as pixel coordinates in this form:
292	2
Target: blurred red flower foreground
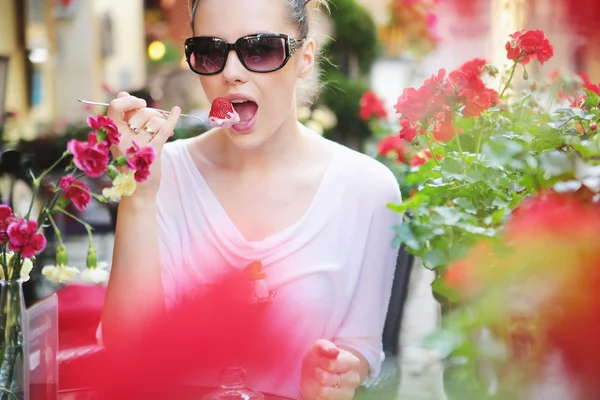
193	341
551	263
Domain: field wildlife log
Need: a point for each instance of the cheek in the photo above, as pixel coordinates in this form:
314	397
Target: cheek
211	85
279	93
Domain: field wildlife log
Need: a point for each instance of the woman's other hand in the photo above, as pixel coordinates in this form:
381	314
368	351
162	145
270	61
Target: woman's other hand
329	373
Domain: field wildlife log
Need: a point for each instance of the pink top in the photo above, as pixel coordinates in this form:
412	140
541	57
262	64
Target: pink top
337	261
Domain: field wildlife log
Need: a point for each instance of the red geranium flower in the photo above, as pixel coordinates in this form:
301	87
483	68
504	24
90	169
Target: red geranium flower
371	106
409	130
393	144
526	45
421	157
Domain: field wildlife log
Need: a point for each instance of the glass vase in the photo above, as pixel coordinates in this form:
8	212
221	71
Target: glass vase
12	345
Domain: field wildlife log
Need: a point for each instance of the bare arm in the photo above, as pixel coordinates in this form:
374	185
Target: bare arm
135	291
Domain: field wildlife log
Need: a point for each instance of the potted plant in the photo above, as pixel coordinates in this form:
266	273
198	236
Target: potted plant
476	154
22	238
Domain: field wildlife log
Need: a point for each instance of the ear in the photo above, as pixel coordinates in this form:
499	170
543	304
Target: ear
307	61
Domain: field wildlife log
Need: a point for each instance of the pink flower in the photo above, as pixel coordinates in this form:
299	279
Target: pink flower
23	237
6	217
76	191
91	157
141	160
104	123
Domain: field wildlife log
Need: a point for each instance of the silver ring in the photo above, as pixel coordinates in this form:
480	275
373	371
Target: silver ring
339	380
134	128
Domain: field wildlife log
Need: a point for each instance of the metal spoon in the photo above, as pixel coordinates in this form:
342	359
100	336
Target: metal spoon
163	112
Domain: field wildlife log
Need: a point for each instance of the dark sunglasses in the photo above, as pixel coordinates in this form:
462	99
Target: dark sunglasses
265	52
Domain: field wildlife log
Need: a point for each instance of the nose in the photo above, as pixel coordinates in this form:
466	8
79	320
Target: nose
234	71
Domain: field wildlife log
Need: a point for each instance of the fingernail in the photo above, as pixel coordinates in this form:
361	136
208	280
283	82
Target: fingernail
176	109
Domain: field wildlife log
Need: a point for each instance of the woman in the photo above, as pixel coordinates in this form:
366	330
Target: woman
312	211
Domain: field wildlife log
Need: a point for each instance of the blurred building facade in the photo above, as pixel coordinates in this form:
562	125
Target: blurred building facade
480	28
63	50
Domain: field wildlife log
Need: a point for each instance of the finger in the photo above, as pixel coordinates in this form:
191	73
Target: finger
325	348
350	379
140	119
153	126
120	109
166	130
122	94
345	362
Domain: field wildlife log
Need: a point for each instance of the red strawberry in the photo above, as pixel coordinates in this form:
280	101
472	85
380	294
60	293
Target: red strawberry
221	109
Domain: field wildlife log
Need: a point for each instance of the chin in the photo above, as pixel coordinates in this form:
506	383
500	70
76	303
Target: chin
247	141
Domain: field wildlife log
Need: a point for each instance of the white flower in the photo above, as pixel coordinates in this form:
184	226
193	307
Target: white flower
314	126
26	267
325	117
99	274
59	273
123	185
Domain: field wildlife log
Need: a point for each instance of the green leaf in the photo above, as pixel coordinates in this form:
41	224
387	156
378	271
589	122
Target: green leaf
466	204
567	112
452	168
405	236
439	287
477	230
445	341
450	216
500	152
475	176
435	258
458	251
592	99
581	114
556	163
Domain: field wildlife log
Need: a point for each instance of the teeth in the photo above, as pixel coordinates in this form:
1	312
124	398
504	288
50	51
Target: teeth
237	101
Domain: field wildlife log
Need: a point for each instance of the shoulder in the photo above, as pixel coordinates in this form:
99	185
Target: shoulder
366	176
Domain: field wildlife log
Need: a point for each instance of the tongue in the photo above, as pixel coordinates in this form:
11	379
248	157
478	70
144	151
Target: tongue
246	110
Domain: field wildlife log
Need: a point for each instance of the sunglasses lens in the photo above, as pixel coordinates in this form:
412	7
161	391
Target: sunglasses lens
263	53
207	55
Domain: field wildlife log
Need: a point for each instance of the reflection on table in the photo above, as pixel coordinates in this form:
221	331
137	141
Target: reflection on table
181	393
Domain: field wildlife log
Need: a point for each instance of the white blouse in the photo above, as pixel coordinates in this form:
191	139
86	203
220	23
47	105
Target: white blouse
336	263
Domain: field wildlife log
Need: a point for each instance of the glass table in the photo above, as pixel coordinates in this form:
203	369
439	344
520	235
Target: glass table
181	393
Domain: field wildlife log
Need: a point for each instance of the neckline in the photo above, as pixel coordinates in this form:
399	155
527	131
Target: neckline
223	223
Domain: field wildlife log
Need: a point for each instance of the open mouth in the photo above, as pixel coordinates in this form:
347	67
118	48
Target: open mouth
246	109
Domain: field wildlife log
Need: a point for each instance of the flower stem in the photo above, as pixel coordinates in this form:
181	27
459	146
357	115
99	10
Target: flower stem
87	226
510	78
56	230
38	181
458	138
479	137
428	142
